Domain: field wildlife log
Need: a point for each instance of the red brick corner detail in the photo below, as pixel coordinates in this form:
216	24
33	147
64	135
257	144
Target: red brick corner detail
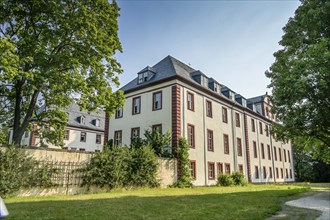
176	119
246	131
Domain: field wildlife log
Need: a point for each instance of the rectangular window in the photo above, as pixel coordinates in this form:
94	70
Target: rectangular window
289	156
66	134
270	173
191	136
260	127
264	172
119	113
284	154
208	108
290	174
211	170
82	149
280	154
210	140
240	168
238	123
157	128
190	101
262	151
135	133
253	125
277	176
267	130
286	174
255	152
118	137
83	137
220	168
157	101
268	152
227	168
192	168
275	154
256	170
226	143
281	173
98	139
224	115
136	105
239	147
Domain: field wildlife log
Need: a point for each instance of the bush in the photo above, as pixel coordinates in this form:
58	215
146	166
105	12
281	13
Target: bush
239	179
18	170
225	180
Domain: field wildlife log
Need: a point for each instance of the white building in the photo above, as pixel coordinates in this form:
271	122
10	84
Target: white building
225	131
84	132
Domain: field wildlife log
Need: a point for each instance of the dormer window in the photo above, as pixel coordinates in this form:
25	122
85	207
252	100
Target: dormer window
97	122
82	120
231	95
143	77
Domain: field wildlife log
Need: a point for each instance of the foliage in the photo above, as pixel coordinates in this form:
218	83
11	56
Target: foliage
300	78
18	170
225	180
184	179
119	167
3	135
160	143
53	53
239	179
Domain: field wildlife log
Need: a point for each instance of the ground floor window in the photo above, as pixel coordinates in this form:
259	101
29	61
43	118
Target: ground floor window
211	170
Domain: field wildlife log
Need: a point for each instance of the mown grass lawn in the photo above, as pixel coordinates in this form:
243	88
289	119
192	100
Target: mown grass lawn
251	202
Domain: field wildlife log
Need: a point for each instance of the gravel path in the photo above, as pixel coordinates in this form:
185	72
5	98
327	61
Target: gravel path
319	201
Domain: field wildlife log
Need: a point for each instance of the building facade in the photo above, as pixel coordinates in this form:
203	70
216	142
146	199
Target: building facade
84	132
225	131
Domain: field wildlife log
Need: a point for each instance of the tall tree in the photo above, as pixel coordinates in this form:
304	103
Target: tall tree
55	52
300	76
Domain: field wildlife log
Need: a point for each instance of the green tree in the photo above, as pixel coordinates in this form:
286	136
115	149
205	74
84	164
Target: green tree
184	179
300	77
53	53
160	143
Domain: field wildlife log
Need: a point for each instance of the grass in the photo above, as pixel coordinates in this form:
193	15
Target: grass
251	202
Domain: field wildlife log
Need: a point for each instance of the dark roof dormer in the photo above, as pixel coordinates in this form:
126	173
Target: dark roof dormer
146	74
200	78
230	94
241	100
214	85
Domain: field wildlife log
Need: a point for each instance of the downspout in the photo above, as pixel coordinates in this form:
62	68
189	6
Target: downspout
273	162
233	126
205	145
259	155
244	154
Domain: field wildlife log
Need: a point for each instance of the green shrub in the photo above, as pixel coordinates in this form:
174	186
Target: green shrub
239	179
160	143
225	180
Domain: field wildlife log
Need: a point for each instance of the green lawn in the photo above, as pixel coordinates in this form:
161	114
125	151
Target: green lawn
252	202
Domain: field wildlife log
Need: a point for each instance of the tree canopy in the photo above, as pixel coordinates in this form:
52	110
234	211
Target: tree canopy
300	76
53	53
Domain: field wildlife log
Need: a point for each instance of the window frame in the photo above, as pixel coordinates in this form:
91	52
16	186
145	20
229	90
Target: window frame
253	125
226	144
210	141
192	168
284	154
280	154
270	172
241	168
255	150
277	173
81	136
132	132
96	139
239	147
264	172
237	120
256	171
121	113
262	151
192	138
268	152
154	95
220	168
115	137
224	115
227	165
158	127
192	107
209	108
289	158
66	136
211	165
139	107
275	153
260	127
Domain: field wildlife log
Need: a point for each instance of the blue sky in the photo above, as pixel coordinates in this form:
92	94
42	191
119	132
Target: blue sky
231	41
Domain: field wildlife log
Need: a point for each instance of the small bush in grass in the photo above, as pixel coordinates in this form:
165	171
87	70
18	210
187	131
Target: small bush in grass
225	180
239	179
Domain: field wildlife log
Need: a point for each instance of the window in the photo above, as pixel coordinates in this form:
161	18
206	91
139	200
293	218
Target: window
290	174
255	149
226	143
224	115
143	77
289	156
82	149
73	148
267	130
264	172
238	123
227	168
220	168
118	137
281	173
210	140
208	108
119	113
26	134
240	168
191	136
135	133
239	147
253	125
284	154
82	136
136	105
275	154
97	151
82	120
277	176
268	152
256	172
157	128
279	154
97	122
211	170
260	127
286	174
192	168
98	139
267	111
262	151
270	173
190	101
66	134
157	101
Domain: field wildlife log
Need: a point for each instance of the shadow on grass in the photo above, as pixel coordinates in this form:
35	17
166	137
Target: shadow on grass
238	205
